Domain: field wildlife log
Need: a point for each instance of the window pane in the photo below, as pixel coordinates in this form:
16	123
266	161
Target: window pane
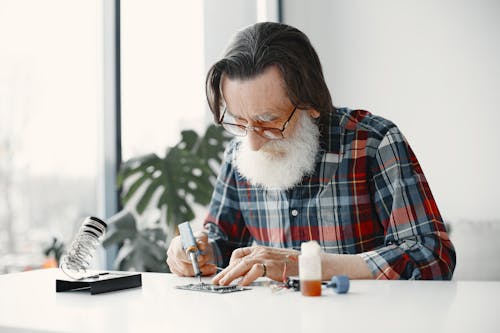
50	65
162	74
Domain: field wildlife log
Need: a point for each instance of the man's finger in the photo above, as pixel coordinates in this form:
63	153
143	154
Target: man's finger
238	270
184	260
186	268
253	274
175	268
225	271
208	269
175	251
202	245
240	253
175	271
203	260
221	274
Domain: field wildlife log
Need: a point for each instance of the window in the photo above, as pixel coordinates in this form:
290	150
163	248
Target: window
50	98
54	163
162	74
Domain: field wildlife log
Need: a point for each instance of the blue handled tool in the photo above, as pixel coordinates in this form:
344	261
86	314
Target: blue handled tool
189	245
339	283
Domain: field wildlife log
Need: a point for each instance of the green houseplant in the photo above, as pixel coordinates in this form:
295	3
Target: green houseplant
170	185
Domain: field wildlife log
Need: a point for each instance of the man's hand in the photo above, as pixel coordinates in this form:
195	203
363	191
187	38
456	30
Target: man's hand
256	261
179	262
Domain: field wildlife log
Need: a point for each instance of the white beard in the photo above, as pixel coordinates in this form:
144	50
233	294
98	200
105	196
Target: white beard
281	164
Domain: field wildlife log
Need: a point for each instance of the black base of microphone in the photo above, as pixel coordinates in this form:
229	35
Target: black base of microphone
101	283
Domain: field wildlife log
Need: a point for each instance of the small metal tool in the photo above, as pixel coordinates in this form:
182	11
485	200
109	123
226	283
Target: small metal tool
189	245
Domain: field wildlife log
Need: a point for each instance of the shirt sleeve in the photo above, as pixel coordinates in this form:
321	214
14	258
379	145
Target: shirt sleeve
416	244
225	224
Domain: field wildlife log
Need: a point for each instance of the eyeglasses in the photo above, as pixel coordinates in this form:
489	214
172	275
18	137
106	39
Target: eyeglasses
271	133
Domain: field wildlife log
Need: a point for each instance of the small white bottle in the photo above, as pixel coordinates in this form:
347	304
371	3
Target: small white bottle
310	269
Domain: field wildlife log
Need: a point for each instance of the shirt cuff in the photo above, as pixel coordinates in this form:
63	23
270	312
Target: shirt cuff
379	260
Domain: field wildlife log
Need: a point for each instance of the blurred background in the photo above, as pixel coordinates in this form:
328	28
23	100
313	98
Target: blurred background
87	84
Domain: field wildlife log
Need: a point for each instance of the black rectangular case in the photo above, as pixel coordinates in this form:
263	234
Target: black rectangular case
101	283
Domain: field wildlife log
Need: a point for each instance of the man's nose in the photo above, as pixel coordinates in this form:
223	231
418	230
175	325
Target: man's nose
255	141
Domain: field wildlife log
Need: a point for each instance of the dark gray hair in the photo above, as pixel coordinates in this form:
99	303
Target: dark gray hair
261	45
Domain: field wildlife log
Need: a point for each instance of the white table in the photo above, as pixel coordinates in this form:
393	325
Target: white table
29	303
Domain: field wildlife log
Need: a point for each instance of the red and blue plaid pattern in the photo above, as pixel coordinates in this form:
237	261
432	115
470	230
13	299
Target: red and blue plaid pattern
367	195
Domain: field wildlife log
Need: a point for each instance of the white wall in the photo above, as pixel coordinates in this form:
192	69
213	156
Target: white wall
432	67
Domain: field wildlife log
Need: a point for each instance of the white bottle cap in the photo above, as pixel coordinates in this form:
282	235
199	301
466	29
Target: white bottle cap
310	248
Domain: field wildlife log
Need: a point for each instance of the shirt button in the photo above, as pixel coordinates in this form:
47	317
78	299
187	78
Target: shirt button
295	212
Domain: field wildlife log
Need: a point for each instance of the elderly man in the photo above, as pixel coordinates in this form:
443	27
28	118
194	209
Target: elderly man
300	169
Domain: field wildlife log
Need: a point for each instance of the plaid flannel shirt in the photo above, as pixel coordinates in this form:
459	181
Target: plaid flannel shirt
367	196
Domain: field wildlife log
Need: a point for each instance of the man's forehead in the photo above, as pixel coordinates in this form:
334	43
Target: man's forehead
262	110
261	96
261	115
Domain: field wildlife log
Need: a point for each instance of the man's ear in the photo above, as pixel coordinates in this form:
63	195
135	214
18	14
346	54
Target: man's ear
314	114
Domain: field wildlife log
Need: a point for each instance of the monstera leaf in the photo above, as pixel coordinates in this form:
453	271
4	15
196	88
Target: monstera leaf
141	249
185	173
